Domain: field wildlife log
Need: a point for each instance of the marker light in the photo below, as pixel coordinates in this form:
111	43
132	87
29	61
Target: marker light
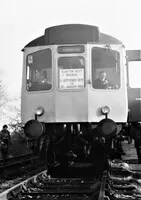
105	110
39	111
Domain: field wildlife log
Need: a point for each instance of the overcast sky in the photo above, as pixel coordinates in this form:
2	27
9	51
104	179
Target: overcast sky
23	20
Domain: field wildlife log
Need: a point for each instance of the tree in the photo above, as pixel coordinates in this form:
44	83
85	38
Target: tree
20	143
3	97
15	109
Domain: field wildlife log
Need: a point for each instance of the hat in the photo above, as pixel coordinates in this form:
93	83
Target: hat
5	126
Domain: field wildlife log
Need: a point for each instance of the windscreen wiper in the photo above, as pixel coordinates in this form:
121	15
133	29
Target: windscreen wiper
108	46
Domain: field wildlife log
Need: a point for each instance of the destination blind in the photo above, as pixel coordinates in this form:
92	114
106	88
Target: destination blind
71	78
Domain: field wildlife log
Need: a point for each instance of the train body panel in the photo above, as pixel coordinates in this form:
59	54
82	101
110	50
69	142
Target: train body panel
134	102
134	86
115	99
31	101
34	101
62	103
74	108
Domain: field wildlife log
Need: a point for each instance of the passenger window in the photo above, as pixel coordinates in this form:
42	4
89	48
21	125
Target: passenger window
39	71
105	68
71	73
134	73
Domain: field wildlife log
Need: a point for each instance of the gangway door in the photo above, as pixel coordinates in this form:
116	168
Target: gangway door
134	84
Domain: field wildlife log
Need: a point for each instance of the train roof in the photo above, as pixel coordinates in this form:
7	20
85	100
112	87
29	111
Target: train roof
72	34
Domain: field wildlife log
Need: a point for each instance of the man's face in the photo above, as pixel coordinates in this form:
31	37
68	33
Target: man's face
102	76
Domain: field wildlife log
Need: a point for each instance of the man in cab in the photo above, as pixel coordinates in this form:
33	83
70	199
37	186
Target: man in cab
102	82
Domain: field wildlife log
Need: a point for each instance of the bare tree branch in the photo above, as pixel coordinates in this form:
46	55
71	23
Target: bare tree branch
15	108
9	107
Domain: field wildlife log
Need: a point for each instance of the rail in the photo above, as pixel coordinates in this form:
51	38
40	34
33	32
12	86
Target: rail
17	160
15	190
103	184
77	186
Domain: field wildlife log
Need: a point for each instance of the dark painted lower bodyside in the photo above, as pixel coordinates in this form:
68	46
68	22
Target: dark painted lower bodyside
134	102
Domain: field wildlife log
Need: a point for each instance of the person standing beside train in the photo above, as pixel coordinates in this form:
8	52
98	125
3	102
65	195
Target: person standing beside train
5	141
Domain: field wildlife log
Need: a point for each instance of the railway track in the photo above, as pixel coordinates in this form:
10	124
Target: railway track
78	181
75	184
13	178
123	181
17	160
71	183
19	168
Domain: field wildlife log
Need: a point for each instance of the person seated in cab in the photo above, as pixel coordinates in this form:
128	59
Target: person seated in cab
102	83
41	84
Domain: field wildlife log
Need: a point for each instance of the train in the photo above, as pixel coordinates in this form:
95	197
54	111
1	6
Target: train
61	106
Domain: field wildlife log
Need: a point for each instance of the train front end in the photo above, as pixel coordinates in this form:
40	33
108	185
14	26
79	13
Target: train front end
62	99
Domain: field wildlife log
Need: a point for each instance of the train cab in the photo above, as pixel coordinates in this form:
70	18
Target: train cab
74	80
61	78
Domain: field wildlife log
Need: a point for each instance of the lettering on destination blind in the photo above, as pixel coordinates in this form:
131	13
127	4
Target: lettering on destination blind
71	78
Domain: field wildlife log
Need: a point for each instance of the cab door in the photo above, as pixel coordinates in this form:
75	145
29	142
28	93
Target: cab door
109	59
134	84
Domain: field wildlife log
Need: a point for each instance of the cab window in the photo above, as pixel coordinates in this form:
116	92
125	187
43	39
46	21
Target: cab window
39	71
105	68
71	73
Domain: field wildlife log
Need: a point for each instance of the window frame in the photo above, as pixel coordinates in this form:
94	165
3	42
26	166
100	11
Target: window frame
28	66
113	47
129	82
80	55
